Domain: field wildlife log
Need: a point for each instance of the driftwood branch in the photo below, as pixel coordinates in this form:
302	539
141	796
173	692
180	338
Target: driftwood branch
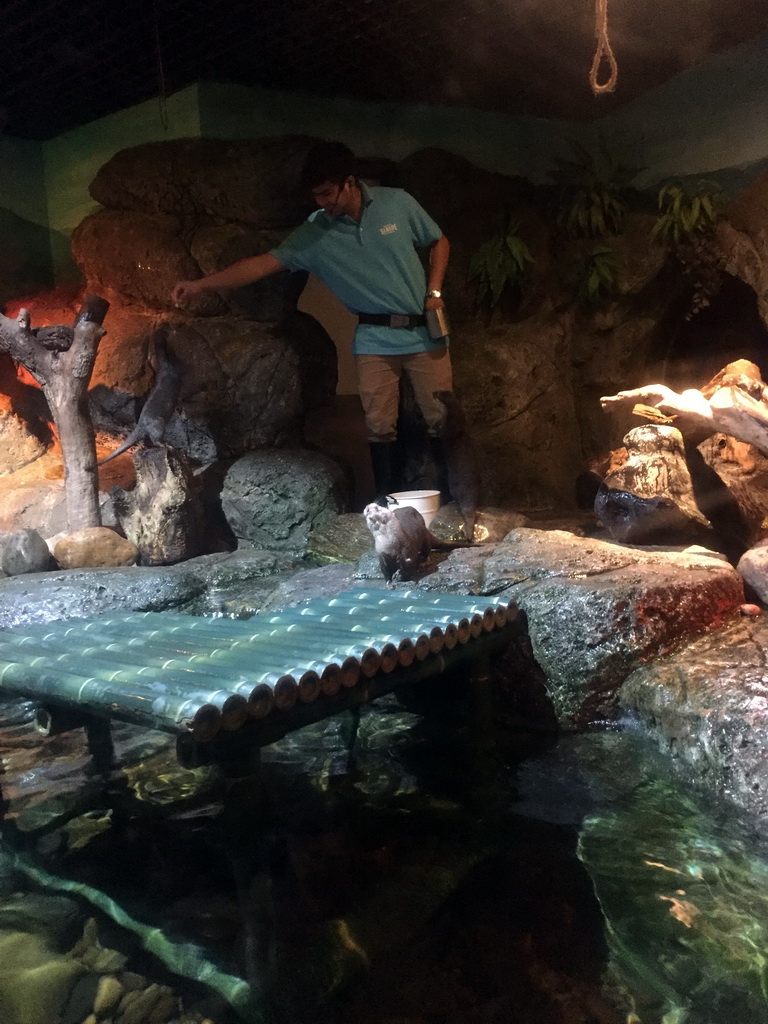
61	360
735	402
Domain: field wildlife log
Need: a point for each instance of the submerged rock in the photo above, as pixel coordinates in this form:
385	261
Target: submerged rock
685	905
706	705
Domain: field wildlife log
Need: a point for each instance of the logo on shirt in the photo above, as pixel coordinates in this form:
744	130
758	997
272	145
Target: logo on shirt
388	229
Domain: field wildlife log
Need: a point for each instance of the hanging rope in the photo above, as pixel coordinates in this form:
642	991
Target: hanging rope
603	51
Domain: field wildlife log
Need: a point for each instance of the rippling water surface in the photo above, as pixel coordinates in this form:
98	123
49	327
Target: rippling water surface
447	870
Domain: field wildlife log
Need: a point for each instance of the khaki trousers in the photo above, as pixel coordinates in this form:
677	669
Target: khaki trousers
379	384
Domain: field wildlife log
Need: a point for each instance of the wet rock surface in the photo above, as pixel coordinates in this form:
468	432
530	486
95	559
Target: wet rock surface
404	847
597	609
343	539
706	705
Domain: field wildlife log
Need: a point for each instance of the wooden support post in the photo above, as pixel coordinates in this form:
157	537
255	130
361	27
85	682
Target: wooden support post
98	732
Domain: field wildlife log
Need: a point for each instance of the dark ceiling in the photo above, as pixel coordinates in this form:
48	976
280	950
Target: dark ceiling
67	62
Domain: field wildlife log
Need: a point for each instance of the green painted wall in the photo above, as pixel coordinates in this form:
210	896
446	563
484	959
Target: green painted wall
25	252
71	161
497	142
710	120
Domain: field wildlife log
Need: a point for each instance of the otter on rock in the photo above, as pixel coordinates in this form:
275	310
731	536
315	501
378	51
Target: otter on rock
402	540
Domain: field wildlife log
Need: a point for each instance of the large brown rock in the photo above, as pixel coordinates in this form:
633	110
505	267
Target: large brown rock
137	258
251	181
472	205
94	547
748	212
742	238
746	258
743	469
246	384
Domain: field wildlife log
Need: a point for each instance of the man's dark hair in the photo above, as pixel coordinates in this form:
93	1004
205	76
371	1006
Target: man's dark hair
328	161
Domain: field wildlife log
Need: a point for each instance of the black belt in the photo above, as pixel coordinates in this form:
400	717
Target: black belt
392	319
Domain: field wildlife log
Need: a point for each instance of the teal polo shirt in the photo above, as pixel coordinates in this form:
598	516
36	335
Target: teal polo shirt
372	267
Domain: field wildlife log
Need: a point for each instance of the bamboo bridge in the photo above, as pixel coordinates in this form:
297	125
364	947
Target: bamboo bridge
226	687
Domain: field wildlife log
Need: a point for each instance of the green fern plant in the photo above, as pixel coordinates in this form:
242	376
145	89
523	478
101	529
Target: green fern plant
504	261
594	188
596	275
593	212
686	211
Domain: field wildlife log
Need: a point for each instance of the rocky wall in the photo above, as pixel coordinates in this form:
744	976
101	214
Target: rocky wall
530	373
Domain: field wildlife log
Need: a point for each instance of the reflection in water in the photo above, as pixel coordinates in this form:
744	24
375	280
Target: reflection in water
441	870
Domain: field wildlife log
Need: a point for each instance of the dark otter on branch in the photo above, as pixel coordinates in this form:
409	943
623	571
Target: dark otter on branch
58	338
159	407
402	540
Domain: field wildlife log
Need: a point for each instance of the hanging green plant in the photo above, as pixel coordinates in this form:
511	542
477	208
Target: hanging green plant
688	214
596	275
504	261
594	190
593	213
686	210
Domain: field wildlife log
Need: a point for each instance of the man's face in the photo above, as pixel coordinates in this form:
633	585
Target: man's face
334	199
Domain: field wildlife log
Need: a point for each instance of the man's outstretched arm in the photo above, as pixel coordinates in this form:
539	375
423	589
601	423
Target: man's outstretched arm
252	268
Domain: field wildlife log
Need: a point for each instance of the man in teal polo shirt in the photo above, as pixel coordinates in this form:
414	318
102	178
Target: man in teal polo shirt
362	243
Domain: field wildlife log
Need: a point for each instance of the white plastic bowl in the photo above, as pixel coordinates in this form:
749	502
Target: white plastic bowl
427	502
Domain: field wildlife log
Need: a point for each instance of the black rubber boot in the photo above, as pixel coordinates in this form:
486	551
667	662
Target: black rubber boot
437	449
381	463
